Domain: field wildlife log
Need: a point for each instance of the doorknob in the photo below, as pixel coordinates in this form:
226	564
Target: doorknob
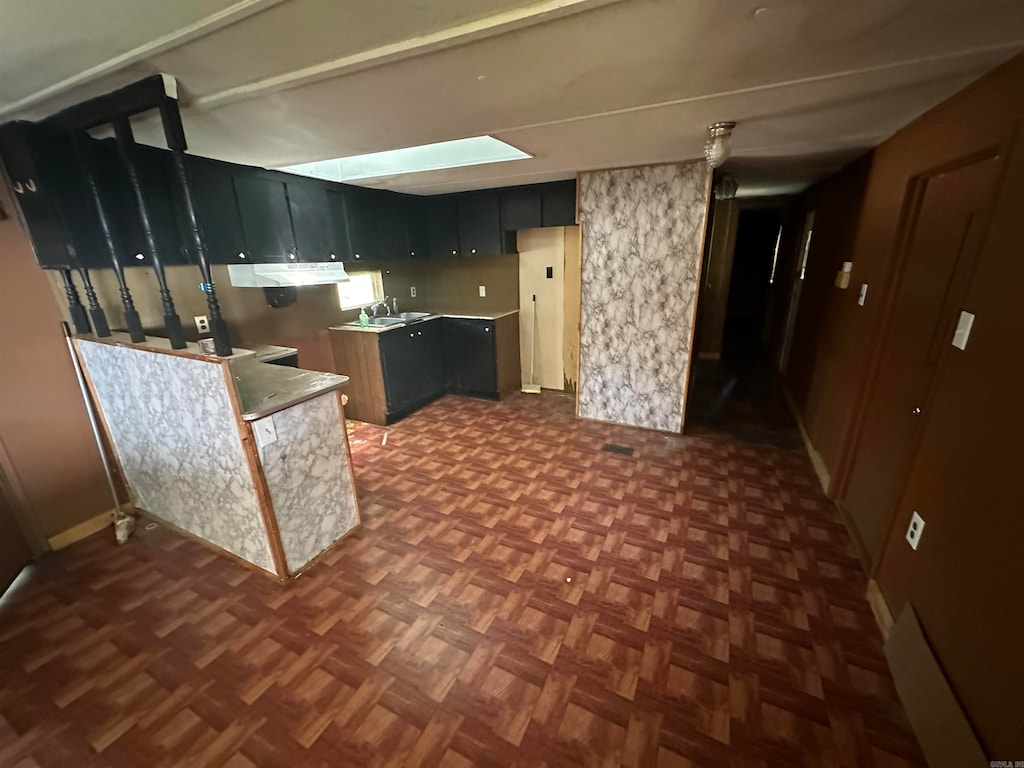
916	411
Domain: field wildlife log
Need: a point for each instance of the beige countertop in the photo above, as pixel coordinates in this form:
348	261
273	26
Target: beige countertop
461	315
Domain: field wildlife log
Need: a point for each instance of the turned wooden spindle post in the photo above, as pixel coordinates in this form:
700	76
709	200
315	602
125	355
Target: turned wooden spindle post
84	152
129	156
79	317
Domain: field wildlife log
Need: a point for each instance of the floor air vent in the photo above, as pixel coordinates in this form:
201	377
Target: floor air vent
619	449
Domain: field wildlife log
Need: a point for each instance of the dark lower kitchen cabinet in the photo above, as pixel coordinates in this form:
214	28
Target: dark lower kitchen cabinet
441	220
311	220
558	204
266	222
469	355
412	366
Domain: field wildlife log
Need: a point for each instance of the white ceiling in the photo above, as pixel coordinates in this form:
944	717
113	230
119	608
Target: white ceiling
579	84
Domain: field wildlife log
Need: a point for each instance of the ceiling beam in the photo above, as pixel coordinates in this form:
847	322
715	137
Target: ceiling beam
204	26
460	34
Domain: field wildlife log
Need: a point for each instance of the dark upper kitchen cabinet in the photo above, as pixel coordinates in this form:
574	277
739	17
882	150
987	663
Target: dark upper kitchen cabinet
480	230
361	219
441	221
558	204
37	199
416	227
266	223
470	356
338	224
159	189
392	240
311	220
217	210
521	207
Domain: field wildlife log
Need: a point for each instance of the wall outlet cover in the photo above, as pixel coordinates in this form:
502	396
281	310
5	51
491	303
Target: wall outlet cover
266	432
202	323
412	291
483	291
914	530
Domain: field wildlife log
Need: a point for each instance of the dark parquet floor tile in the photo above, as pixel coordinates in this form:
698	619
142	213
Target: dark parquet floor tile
515	596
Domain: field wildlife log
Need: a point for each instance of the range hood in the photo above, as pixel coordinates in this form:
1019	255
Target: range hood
279	275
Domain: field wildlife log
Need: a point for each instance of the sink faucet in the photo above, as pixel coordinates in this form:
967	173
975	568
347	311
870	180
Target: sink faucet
383	303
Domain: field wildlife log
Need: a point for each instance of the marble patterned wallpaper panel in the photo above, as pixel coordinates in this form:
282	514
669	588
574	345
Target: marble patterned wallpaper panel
307	471
643	230
174	430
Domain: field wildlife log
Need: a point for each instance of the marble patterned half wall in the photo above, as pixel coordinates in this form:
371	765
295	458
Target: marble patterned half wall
643	230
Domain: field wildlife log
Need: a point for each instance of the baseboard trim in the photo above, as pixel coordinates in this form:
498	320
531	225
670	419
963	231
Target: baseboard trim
816	461
880	608
81	531
938	720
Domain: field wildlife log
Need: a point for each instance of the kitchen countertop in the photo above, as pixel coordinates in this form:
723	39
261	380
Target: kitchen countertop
432	316
264	389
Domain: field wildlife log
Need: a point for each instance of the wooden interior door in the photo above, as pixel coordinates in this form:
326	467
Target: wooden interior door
15	553
941	246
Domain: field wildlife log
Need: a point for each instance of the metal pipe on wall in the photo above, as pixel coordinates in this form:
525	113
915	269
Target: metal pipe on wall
84	152
127	149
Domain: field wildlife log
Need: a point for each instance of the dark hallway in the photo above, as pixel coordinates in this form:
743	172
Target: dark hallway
738	392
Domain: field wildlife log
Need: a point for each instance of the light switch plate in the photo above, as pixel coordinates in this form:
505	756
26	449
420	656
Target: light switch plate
963	330
266	433
863	294
412	291
914	530
483	291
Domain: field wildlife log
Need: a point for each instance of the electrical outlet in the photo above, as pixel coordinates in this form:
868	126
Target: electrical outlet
266	433
483	291
914	530
412	292
202	323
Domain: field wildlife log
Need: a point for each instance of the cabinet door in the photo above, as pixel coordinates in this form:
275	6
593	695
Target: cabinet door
361	217
311	220
338	224
217	211
37	201
470	356
391	223
398	365
429	356
558	200
416	227
521	207
263	208
441	221
480	223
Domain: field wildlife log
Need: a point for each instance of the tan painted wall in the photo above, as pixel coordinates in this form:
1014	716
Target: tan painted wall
538	250
571	313
449	285
49	450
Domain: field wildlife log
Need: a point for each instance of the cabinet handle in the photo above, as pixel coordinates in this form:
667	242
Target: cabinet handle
419	333
357	255
291	256
30	185
916	411
21	191
411	335
487	330
241	254
473	251
412	253
454	253
139	257
333	257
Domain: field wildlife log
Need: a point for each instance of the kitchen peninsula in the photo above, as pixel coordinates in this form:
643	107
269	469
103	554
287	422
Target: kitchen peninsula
249	457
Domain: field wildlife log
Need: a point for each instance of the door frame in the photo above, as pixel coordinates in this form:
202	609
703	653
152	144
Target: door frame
12	490
893	280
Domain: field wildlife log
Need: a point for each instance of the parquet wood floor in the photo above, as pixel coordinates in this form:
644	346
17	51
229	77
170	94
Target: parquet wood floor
516	596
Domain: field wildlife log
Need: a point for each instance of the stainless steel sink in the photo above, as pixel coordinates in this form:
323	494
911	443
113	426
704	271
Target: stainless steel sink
408	316
379	321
